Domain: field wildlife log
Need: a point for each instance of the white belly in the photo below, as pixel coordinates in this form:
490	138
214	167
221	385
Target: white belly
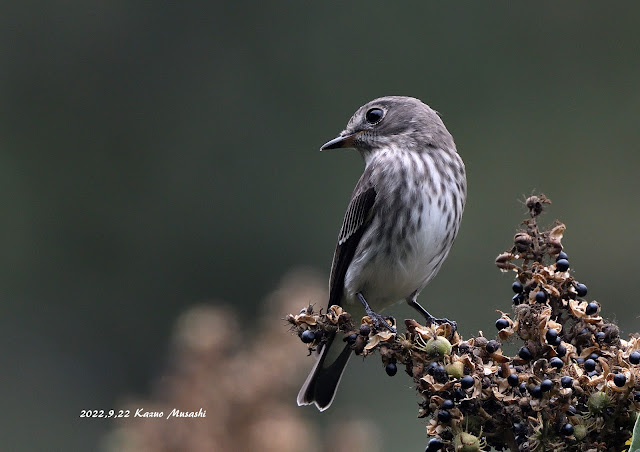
387	276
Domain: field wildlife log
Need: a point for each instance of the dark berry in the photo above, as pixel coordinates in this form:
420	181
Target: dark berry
636	396
535	391
517	287
566	382
634	358
556	362
352	338
365	330
517	299
523	387
620	380
600	335
589	365
492	346
502	324
562	265
519	428
581	290
567	429
440	375
592	308
513	380
458	394
444	416
432	367
447	404
561	350
562	255
307	336
541	296
546	385
580	360
593	373
571	411
593	356
391	369
467	381
525	354
434	445
551	335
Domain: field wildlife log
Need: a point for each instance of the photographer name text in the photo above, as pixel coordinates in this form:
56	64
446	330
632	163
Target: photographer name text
141	412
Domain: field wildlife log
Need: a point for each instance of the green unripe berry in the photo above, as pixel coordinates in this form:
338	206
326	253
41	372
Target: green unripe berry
455	370
466	442
438	346
579	431
598	402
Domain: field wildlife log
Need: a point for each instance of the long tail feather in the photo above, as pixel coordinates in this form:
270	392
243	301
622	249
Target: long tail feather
321	384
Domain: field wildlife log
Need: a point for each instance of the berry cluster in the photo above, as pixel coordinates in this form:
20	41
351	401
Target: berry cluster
573	384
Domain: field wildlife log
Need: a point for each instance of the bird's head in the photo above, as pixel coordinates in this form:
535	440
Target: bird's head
402	122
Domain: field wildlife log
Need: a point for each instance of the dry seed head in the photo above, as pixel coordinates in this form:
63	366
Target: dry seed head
535	204
523	242
476	378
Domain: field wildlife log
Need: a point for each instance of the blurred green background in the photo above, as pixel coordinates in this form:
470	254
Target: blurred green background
158	155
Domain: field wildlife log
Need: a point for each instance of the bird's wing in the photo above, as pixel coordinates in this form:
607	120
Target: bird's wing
355	223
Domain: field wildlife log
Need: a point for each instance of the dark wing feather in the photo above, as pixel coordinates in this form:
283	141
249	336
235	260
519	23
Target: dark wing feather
355	223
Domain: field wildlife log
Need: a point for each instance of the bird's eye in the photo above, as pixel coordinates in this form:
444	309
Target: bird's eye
374	115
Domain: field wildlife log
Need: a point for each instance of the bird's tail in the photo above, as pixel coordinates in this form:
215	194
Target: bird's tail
322	382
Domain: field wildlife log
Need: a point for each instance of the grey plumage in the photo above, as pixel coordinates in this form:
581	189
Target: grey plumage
402	219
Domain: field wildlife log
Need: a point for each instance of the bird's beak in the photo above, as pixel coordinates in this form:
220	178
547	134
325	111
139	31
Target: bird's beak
343	141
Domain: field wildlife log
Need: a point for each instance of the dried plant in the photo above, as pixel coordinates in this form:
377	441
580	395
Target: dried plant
244	384
573	385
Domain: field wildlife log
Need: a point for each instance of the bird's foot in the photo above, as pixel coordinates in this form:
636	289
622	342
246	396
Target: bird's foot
378	320
431	320
453	323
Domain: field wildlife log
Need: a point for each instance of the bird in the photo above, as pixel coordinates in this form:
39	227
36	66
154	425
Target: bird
402	219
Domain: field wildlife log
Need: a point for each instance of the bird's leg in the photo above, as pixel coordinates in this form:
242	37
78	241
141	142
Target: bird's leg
428	317
378	320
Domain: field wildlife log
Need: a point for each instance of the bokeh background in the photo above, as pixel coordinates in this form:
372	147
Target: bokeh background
156	156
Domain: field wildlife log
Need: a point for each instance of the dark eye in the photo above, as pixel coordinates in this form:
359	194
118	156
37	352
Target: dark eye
374	115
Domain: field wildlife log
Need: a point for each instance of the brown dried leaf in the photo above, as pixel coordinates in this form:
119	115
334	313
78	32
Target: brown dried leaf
379	337
334	312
